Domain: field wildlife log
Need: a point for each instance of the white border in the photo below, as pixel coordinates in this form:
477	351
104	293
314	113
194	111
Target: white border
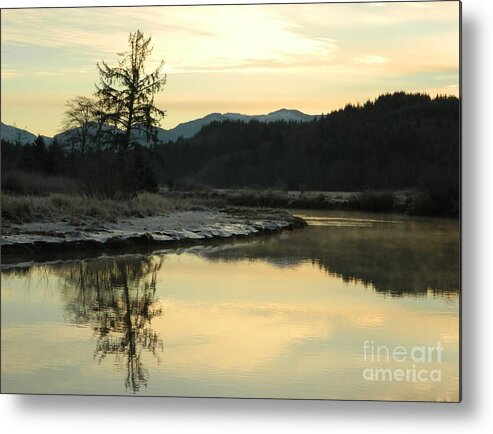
59	414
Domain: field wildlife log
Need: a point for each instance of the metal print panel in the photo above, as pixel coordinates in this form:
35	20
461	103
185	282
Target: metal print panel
250	201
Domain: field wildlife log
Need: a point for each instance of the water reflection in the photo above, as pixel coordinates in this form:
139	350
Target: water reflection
393	256
117	298
265	317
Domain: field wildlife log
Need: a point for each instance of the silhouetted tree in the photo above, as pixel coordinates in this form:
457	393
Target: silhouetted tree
127	91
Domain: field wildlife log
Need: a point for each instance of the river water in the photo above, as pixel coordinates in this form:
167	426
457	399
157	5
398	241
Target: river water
354	306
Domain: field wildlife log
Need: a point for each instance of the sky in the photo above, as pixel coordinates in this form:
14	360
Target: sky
250	59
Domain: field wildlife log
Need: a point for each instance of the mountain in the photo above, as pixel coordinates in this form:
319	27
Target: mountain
14	134
189	129
278	115
185	129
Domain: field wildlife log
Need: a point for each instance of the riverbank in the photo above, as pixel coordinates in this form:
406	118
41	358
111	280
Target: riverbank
170	228
410	202
63	223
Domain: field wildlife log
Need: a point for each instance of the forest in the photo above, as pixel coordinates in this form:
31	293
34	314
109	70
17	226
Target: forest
397	141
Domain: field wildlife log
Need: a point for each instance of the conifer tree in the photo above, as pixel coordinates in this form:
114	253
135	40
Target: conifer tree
127	91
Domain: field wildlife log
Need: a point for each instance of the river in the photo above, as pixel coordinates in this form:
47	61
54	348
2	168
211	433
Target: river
353	306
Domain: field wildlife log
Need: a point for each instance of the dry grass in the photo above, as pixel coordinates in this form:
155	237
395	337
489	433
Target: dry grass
20	209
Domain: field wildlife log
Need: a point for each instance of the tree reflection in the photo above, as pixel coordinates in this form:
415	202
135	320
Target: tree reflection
410	257
117	297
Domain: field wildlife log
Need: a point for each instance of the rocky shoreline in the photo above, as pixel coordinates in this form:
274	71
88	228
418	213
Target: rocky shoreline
175	228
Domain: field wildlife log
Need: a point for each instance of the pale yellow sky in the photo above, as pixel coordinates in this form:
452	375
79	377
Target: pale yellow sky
249	59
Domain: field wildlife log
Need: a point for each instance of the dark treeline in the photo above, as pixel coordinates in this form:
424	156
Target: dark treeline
112	172
398	141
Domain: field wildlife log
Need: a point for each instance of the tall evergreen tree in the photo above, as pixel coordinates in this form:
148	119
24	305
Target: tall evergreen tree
127	91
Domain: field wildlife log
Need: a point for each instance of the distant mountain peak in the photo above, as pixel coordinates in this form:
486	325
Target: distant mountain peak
14	134
190	128
285	110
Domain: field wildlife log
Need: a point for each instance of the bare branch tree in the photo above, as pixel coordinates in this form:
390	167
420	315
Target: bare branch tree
79	121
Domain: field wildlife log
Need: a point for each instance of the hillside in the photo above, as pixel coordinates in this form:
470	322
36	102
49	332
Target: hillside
398	141
189	129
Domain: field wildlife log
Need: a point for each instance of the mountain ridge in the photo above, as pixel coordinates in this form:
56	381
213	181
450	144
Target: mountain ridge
14	134
185	129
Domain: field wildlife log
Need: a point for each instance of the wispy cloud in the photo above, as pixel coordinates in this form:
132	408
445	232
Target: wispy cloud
190	39
9	73
370	59
59	72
